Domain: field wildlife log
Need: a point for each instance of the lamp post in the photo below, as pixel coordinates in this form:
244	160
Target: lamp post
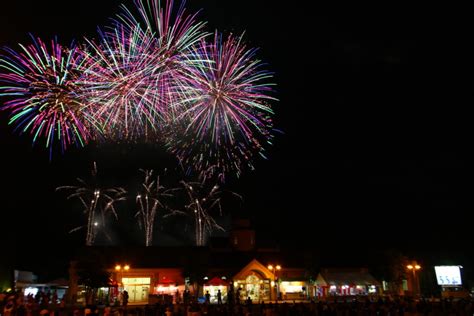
274	270
121	269
414	267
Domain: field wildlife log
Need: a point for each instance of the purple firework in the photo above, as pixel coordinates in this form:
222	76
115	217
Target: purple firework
175	34
224	116
119	83
44	100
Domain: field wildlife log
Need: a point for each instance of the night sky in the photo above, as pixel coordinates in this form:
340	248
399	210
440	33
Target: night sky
374	106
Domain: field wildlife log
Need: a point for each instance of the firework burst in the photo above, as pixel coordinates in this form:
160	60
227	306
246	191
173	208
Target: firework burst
175	33
175	30
151	76
44	101
224	113
119	84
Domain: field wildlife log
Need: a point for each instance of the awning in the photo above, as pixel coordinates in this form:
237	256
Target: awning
166	281
216	282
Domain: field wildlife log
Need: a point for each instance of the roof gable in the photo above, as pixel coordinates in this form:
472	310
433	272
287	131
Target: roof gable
254	266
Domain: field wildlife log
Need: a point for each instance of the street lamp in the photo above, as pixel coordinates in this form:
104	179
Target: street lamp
121	269
414	267
274	270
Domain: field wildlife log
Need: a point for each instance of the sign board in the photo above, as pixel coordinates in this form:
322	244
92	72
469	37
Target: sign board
448	275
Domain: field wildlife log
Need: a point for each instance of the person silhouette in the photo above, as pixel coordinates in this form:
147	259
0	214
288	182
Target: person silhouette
125	298
237	296
219	297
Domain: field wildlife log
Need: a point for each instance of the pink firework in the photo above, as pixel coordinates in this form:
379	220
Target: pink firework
119	83
41	84
175	34
175	30
224	116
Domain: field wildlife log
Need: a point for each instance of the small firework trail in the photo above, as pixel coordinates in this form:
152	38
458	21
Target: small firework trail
150	199
200	205
97	202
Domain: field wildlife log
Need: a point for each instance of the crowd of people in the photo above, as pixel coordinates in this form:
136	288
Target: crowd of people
17	304
47	304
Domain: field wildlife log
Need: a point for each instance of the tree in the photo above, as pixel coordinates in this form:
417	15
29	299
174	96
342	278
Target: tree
196	267
390	267
91	272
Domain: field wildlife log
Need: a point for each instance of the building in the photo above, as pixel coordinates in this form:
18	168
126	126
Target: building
164	273
345	282
237	264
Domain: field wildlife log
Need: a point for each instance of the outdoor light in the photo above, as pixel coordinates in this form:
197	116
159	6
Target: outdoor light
414	267
118	267
274	270
122	270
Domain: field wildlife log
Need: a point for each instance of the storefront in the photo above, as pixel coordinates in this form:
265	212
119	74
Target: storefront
165	284
138	289
254	282
293	290
168	290
215	285
345	282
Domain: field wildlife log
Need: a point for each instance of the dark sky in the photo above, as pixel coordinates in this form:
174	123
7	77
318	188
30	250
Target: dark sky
374	105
